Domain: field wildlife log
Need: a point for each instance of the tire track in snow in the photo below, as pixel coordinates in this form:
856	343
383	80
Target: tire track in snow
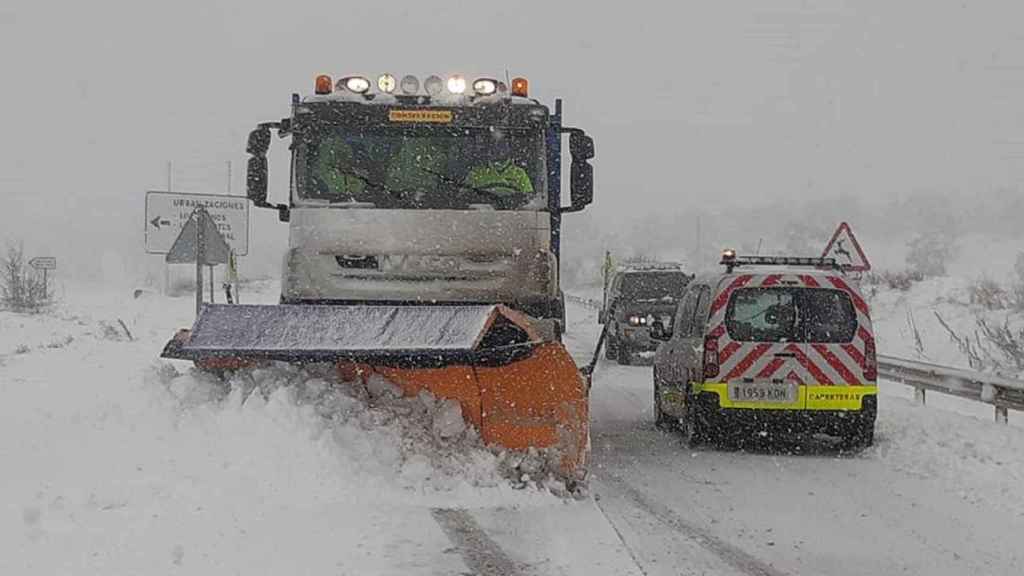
481	554
729	553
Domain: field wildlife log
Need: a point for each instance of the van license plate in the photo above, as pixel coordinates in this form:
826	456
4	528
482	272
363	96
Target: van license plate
763	392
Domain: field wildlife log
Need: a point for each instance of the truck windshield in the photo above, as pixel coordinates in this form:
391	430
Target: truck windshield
421	168
654	285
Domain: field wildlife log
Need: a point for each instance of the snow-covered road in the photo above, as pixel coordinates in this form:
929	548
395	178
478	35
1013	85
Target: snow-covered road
116	464
940	493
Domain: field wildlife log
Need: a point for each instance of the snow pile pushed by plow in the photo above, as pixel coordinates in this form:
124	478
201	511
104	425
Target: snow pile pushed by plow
382	440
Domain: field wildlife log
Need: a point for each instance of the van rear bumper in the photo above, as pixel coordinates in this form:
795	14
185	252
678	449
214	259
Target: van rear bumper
809	398
796	420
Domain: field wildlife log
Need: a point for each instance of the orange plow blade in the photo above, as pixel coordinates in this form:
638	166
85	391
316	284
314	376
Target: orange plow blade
518	390
539	401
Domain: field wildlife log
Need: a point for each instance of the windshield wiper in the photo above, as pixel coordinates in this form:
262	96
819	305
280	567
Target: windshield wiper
372	184
463	185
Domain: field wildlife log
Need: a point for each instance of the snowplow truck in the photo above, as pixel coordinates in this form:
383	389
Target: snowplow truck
424	243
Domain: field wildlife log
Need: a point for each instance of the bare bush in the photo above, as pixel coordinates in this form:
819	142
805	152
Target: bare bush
21	288
988	294
901	281
992	347
918	342
1007	341
1016	291
970	348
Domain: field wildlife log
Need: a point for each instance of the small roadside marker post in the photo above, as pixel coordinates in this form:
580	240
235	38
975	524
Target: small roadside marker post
44	263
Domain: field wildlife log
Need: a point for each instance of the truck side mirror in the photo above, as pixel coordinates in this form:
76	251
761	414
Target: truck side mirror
581	146
256	174
259	141
601	314
256	179
581	179
581	173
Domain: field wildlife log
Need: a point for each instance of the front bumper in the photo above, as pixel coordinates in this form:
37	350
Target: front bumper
455	278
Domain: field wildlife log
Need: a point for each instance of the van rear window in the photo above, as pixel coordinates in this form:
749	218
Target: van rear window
786	314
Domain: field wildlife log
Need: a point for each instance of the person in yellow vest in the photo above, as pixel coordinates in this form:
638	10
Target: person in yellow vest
501	177
335	167
607	268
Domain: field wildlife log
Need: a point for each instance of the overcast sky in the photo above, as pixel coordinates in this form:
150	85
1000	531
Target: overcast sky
689	102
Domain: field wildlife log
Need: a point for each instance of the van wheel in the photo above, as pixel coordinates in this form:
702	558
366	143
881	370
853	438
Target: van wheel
624	354
661	420
611	349
860	435
695	426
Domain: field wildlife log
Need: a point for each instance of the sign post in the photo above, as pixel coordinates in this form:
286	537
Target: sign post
44	263
231	280
200	256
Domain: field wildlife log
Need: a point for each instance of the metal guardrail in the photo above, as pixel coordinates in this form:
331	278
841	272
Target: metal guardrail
588	302
1002	393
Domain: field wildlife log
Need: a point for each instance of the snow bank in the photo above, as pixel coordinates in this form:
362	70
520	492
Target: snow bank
908	325
977	460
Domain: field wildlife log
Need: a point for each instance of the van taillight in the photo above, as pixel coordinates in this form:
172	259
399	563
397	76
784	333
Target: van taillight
870	360
710	357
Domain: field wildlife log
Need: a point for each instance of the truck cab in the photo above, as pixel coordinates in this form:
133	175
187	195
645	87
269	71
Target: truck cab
449	194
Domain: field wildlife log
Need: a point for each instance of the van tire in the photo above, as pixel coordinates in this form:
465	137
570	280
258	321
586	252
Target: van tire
611	349
624	354
661	420
860	435
695	425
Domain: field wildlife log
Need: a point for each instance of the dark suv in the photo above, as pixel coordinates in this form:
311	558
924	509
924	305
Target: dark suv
634	298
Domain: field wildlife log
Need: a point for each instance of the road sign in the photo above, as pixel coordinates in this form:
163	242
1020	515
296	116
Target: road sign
168	212
43	263
846	250
214	250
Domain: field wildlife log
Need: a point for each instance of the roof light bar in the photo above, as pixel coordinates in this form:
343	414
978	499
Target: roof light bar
433	85
457	84
386	83
485	86
410	84
323	84
356	84
731	260
520	87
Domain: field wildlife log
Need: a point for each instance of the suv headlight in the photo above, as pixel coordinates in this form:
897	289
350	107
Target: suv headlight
638	321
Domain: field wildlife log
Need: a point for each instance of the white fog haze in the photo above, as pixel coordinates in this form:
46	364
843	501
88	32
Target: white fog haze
705	107
426	364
